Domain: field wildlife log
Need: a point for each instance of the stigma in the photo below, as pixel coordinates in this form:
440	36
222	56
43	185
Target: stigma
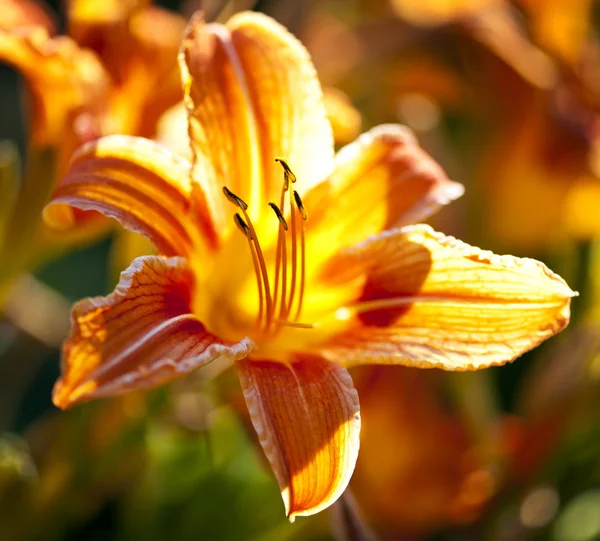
280	299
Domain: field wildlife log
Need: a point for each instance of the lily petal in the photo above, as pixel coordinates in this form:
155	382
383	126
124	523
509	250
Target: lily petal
139	183
82	14
26	13
436	13
306	415
61	76
139	337
287	100
383	179
433	301
252	95
139	46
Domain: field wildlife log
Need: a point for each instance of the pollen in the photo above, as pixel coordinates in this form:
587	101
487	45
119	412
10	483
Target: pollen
280	303
242	226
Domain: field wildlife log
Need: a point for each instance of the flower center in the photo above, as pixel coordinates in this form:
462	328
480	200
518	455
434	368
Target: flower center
280	303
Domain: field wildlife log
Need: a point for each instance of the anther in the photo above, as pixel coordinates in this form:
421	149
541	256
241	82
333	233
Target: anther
242	226
237	201
287	171
300	206
279	215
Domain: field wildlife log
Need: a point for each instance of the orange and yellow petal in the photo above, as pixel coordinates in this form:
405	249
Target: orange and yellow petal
252	95
436	12
563	27
61	76
95	12
139	183
434	301
306	415
536	162
139	337
26	13
381	180
138	45
156	38
404	478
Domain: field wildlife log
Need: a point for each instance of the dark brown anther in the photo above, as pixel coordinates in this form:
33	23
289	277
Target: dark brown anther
237	201
279	215
301	207
287	172
242	226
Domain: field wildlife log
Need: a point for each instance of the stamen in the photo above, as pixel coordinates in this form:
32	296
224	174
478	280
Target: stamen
295	324
263	268
242	226
300	206
237	201
280	301
239	221
304	216
294	258
287	172
279	215
240	203
302	270
281	255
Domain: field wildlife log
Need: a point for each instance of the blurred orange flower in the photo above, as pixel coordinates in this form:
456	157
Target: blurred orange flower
420	467
543	154
116	73
292	302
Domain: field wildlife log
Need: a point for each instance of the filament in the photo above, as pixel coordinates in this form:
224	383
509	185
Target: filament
294	256
281	254
259	283
302	270
263	268
276	305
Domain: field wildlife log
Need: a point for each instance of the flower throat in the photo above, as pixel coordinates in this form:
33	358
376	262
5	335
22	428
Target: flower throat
281	305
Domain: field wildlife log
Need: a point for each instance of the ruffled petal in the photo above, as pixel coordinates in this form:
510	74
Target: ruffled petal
62	78
252	95
383	179
306	415
433	301
141	184
140	336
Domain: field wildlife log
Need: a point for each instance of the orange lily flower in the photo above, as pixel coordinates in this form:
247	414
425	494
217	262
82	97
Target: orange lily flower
80	87
544	148
115	50
291	301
